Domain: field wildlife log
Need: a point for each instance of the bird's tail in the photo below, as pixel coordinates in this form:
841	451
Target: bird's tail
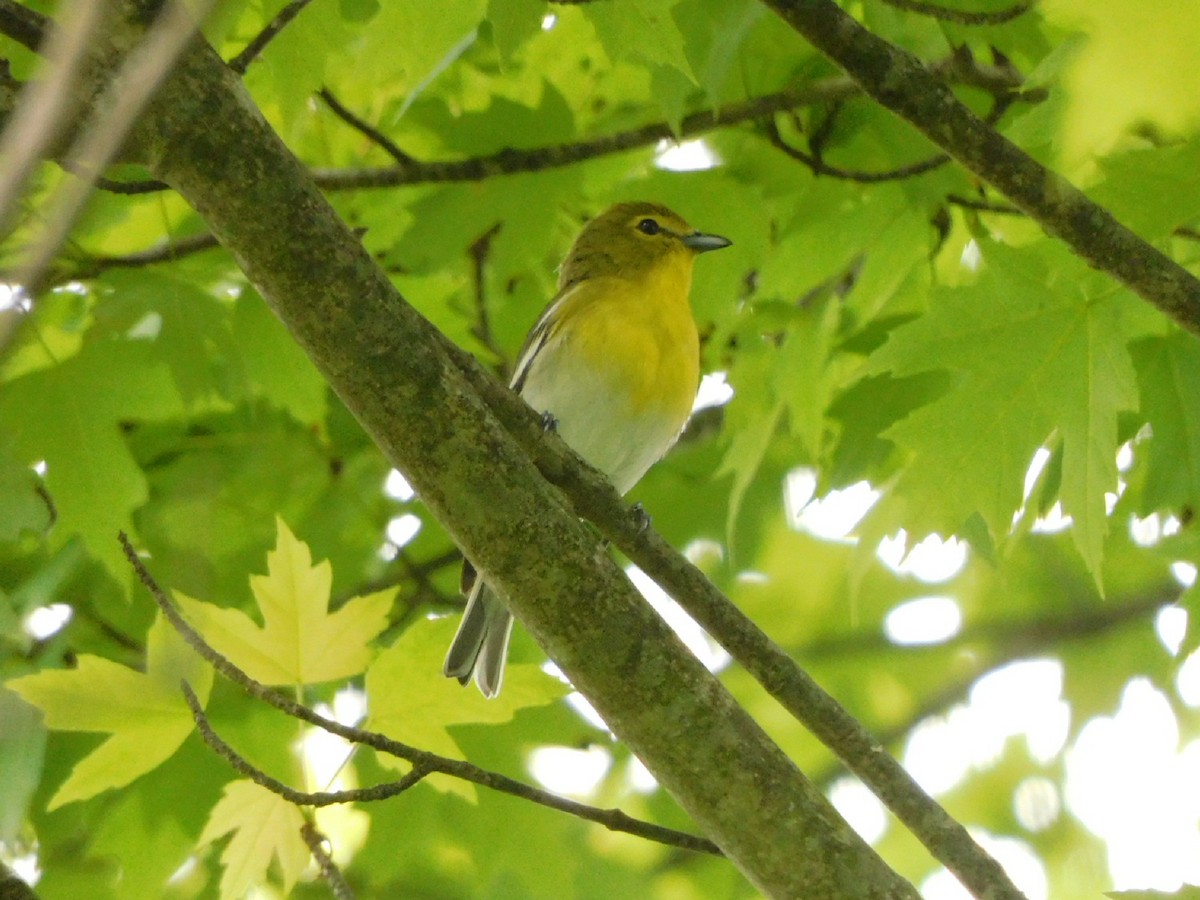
480	646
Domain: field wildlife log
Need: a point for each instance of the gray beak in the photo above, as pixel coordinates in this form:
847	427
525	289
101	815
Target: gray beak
702	243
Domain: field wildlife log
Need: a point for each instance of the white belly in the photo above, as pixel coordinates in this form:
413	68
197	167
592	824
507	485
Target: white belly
599	421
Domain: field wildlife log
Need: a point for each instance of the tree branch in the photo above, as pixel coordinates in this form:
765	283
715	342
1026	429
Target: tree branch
258	44
22	24
900	82
962	16
13	887
330	873
960	67
365	128
818	166
300	798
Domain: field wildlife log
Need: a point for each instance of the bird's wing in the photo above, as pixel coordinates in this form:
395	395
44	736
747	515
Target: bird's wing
539	334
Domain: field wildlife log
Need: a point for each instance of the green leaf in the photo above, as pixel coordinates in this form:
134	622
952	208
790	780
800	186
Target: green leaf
1168	371
71	416
188	327
144	713
1152	191
22	745
22	508
642	30
300	641
513	22
412	701
275	366
1035	351
421	39
672	90
264	827
358	11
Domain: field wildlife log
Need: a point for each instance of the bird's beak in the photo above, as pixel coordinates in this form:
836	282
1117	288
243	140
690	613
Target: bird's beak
702	243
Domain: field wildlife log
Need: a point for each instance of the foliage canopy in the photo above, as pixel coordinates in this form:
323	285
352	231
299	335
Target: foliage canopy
890	327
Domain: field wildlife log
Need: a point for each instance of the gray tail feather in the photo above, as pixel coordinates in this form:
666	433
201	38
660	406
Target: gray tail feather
480	646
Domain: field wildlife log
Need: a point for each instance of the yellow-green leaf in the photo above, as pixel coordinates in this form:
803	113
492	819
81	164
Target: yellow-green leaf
263	827
412	701
144	713
300	640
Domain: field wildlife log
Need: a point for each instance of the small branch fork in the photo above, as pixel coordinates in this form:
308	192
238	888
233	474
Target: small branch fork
423	762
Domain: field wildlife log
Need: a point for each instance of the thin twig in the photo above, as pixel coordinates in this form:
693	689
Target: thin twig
301	798
962	16
820	167
92	266
364	127
983	205
481	329
995	79
900	82
330	873
612	819
251	51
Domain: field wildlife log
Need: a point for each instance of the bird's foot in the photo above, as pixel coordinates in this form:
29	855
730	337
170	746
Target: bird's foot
641	518
549	421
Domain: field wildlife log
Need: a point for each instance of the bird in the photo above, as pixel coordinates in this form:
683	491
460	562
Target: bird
612	364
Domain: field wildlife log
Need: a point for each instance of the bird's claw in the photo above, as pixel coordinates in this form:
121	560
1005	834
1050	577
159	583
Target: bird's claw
641	518
549	422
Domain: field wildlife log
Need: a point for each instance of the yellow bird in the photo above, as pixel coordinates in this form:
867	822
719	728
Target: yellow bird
614	361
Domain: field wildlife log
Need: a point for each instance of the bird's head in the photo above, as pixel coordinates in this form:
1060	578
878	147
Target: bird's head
631	240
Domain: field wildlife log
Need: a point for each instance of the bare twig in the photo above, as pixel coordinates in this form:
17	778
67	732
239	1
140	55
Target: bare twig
963	17
23	25
819	167
364	127
995	79
251	51
481	329
330	873
983	205
92	266
612	819
301	798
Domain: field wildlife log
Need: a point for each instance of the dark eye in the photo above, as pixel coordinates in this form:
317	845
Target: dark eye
648	226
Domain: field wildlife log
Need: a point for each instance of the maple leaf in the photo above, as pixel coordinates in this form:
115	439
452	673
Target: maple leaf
300	641
144	712
1034	355
264	826
412	701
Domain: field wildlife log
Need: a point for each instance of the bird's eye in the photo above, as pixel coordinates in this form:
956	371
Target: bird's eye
648	226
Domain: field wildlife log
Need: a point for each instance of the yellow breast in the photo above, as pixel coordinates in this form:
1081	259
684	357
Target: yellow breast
639	337
618	368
